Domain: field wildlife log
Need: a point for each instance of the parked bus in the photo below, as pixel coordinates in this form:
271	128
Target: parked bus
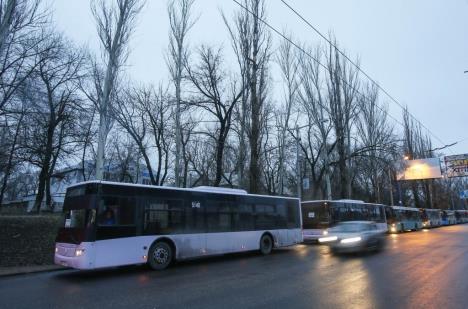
430	217
461	216
318	216
400	219
448	217
111	224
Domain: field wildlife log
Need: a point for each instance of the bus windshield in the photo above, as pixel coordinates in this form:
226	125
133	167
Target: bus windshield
79	211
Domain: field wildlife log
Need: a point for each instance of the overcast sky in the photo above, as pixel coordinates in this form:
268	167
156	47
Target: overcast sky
417	50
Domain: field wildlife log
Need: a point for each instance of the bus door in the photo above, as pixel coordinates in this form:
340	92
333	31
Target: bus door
116	225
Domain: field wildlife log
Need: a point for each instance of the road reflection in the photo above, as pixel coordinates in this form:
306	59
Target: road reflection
344	280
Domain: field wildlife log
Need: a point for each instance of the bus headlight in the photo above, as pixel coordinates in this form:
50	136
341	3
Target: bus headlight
79	252
56	249
350	240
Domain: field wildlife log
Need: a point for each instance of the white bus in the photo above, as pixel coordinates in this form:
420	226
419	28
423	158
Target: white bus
401	219
318	216
111	224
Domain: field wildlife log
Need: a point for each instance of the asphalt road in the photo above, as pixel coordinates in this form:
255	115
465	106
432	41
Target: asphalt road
427	269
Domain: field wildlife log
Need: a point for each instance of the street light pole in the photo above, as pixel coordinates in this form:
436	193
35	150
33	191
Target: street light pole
390	178
298	166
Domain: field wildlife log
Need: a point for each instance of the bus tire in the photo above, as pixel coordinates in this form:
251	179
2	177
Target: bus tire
266	244
160	255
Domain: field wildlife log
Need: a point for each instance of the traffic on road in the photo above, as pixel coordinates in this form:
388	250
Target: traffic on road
114	224
426	269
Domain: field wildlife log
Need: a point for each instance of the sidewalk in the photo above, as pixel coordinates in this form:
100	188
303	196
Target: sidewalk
19	270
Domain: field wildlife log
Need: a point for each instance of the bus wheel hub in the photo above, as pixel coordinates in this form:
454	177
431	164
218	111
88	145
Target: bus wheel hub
161	255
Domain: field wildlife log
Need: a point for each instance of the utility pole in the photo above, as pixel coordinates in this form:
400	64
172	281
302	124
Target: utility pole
298	164
390	178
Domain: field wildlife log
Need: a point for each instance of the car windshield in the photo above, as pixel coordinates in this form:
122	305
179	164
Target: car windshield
350	228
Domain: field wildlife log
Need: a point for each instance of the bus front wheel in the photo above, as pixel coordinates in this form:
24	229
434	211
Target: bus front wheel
266	244
160	256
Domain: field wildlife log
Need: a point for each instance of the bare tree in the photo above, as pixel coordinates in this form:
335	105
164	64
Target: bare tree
313	98
253	52
115	24
377	137
144	114
51	93
240	32
180	21
342	85
289	65
21	23
217	96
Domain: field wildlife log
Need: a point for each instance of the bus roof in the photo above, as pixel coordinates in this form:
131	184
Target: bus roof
405	208
204	189
316	201
340	201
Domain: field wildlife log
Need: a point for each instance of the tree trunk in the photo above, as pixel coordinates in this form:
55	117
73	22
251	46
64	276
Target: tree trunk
10	160
219	155
44	174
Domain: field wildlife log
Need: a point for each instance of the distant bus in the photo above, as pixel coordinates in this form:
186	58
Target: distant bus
318	216
400	219
112	224
448	217
431	217
461	216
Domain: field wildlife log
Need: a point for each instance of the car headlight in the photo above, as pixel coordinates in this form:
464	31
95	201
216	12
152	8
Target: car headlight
393	224
327	239
351	240
56	249
79	252
325	232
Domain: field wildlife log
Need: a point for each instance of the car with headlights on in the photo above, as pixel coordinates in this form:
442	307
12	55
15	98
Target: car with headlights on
354	236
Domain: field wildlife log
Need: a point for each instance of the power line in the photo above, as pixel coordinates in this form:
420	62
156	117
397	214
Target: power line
360	70
313	58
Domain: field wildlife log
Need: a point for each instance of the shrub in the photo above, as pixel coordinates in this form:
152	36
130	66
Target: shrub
28	239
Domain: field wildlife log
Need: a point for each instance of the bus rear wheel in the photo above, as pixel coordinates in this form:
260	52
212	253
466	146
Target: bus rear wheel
266	244
160	256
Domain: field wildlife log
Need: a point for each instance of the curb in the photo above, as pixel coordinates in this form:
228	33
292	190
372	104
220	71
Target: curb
17	271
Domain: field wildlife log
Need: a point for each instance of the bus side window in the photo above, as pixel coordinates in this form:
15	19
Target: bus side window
115	210
264	217
244	219
218	215
292	215
282	215
163	216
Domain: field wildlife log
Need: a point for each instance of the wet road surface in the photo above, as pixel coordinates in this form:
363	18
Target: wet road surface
426	269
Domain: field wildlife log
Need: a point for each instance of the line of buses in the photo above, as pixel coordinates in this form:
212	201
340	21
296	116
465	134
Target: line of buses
111	224
318	216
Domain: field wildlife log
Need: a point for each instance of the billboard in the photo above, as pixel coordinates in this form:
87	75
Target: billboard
457	166
421	169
